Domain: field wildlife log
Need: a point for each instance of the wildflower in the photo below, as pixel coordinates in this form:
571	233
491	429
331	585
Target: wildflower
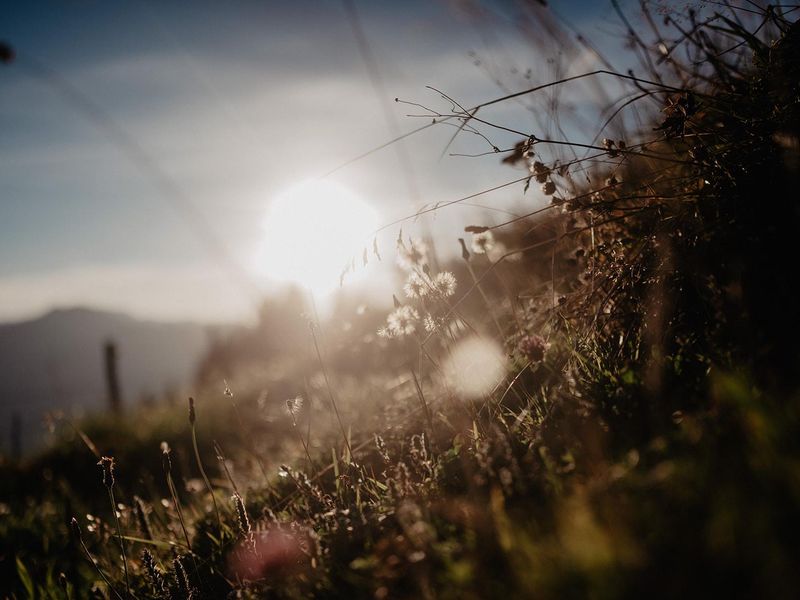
415	254
293	405
482	242
533	347
416	286
401	321
445	284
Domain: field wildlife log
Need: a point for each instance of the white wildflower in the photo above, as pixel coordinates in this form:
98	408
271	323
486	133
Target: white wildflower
482	242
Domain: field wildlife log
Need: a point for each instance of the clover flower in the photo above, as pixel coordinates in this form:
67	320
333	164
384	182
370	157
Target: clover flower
533	347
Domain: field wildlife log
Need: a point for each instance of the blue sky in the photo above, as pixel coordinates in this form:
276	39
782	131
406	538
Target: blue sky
233	102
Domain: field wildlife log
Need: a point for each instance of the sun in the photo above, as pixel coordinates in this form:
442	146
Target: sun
312	230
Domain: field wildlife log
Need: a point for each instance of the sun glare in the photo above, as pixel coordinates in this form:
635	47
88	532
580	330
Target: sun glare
312	230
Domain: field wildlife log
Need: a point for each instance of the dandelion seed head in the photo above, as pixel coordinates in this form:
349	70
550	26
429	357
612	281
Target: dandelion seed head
416	286
482	242
445	284
402	321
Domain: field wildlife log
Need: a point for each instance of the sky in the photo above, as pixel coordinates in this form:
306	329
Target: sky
142	144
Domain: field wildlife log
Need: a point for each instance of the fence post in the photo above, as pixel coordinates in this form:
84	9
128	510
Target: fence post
112	377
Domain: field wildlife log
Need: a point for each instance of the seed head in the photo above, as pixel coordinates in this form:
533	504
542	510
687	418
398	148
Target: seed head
76	528
106	465
464	251
416	286
154	573
181	578
381	445
192	414
445	284
241	515
548	188
166	461
402	321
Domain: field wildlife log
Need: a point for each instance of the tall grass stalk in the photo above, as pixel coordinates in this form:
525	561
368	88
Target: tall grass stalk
77	531
192	423
330	391
106	464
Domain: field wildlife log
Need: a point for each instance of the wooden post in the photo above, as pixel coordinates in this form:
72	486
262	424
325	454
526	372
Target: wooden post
112	377
16	436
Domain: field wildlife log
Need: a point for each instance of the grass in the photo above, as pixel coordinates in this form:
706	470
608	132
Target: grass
639	439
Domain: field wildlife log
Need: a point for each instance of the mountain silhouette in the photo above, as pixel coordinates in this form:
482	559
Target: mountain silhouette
55	362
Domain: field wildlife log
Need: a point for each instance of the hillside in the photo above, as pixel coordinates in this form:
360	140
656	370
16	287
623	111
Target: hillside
55	363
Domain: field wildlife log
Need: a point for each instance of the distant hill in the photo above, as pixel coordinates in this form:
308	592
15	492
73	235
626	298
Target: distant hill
56	362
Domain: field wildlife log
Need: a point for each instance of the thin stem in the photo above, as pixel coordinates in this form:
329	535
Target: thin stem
330	392
99	570
205	477
121	543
